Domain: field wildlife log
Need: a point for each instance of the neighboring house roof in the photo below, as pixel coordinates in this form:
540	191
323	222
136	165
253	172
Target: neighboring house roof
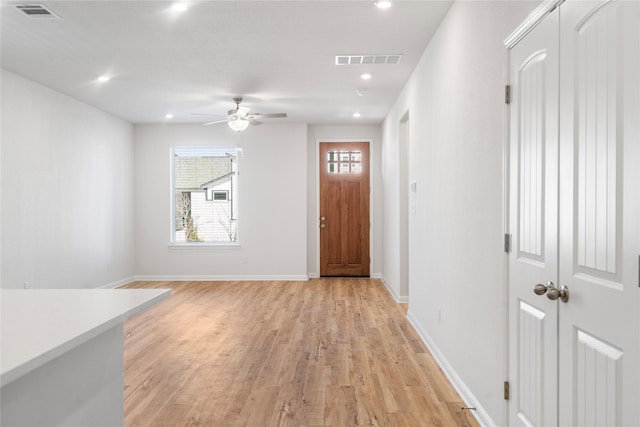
220	180
196	173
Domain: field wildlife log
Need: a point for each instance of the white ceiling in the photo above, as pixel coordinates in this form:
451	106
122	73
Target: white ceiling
278	55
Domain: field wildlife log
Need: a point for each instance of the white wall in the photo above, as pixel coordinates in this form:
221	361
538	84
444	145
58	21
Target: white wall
67	199
354	133
272	210
456	107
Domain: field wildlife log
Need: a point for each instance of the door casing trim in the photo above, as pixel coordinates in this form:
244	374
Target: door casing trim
534	18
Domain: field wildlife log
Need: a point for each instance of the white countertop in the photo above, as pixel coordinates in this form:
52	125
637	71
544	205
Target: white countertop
38	325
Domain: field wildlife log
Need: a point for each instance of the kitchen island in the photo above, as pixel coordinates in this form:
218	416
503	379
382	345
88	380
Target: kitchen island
61	354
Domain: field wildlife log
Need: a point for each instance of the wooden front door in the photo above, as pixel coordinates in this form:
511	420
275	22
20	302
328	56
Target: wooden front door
344	209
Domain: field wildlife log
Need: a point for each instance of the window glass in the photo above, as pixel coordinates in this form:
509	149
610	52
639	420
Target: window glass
205	191
344	162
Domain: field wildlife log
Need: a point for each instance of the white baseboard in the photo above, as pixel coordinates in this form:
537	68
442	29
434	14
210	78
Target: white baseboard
400	299
317	275
118	283
469	399
220	278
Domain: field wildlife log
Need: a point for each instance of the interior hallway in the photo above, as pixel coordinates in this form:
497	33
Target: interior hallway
327	352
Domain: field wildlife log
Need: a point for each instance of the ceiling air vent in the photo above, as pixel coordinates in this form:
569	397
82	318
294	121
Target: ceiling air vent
368	59
36	11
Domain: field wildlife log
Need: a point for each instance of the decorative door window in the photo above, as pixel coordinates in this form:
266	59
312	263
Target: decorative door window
344	162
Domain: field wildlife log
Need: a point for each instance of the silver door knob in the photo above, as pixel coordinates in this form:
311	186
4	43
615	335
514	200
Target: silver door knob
540	289
323	225
562	293
552	292
322	218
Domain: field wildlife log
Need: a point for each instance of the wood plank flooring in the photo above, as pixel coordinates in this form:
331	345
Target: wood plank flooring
327	352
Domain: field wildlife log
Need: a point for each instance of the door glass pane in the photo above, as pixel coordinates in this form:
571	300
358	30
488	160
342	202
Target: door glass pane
344	162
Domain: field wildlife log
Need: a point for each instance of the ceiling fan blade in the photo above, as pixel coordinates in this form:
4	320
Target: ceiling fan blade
243	111
209	115
268	116
254	122
216	122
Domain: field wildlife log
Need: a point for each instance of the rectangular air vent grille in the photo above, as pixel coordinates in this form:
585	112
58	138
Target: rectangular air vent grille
36	11
368	59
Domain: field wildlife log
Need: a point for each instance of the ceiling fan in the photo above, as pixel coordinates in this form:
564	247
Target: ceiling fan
239	118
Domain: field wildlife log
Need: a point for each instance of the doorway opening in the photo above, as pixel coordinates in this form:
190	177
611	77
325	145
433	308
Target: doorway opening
404	204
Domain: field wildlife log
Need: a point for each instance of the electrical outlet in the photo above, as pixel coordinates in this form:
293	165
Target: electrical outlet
25	285
244	259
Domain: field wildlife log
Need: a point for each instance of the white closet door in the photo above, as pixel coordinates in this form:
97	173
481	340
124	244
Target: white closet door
533	225
599	213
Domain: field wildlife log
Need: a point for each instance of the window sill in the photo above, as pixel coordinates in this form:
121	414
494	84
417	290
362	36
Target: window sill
221	245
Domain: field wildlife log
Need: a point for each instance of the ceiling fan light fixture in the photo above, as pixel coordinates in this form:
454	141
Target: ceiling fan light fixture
239	124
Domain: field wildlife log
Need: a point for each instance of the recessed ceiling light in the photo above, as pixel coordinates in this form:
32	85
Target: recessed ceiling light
104	78
169	116
383	4
365	76
356	115
179	7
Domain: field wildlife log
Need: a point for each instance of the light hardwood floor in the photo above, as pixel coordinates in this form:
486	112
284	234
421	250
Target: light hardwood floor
327	352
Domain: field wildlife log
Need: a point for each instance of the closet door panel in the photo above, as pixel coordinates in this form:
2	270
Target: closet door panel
599	239
533	220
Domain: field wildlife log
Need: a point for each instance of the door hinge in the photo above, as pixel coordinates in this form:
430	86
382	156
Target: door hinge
507	243
506	390
507	94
